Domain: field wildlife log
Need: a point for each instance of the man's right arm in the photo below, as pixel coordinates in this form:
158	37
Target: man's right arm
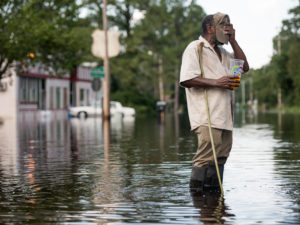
190	69
225	82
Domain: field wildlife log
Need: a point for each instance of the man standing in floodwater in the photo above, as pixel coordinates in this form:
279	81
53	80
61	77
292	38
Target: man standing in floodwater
219	83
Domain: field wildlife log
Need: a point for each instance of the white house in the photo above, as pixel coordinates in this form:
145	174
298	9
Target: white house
37	88
9	95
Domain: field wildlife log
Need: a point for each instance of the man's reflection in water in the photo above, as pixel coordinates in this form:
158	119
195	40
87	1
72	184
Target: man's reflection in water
213	209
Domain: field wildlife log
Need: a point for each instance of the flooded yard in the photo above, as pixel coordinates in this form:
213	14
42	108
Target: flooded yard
69	171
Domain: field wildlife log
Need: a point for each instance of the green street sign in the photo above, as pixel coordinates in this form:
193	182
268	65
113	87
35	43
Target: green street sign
97	72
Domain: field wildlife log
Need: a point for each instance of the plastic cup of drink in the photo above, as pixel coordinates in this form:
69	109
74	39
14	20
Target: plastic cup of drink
236	68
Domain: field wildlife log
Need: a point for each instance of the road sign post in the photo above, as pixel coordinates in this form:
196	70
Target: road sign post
105	44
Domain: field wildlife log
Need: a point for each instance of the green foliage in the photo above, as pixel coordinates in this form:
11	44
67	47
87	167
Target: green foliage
51	30
60	40
143	102
283	71
167	27
293	68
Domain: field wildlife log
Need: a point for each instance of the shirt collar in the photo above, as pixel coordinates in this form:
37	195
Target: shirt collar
206	43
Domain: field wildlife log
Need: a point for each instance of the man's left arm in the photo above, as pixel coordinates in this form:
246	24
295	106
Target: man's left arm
238	52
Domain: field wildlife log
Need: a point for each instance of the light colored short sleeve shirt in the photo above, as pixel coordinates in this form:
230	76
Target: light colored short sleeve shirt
220	100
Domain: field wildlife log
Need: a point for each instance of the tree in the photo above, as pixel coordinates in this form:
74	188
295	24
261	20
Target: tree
153	52
148	65
50	31
185	26
291	30
282	73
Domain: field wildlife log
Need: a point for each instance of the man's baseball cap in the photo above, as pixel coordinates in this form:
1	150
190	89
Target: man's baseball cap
220	21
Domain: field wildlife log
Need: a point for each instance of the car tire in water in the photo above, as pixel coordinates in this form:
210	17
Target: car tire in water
82	115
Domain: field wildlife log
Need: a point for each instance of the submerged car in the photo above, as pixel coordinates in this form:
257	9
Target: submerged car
116	108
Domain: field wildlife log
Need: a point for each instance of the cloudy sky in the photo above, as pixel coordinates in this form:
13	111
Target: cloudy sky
256	22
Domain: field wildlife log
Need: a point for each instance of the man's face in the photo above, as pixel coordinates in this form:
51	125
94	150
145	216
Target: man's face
221	37
214	37
215	40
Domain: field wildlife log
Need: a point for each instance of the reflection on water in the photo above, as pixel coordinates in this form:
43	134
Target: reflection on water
59	170
213	209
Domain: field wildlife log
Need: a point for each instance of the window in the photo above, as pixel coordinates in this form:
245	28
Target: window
51	98
65	104
32	95
58	97
81	97
88	97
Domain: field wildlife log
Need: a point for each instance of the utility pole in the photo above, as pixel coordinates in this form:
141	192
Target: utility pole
104	49
251	92
160	78
243	93
279	95
106	86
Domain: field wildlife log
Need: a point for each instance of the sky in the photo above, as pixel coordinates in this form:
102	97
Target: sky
256	22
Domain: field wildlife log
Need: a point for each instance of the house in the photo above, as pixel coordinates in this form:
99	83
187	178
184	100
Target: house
38	88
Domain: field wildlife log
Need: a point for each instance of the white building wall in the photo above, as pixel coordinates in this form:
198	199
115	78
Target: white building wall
9	97
9	146
8	124
84	85
84	73
88	93
51	89
41	69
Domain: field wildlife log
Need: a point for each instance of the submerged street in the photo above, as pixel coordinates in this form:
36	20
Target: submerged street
59	170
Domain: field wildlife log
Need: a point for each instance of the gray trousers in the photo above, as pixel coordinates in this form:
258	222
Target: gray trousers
223	143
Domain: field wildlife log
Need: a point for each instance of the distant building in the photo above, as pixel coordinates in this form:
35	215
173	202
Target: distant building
37	88
81	92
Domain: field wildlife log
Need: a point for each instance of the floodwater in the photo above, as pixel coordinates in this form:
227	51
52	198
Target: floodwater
69	171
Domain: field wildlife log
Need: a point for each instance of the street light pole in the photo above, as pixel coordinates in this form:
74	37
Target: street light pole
106	86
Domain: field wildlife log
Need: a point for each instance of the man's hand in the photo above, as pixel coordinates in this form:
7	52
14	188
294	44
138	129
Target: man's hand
228	82
230	32
238	52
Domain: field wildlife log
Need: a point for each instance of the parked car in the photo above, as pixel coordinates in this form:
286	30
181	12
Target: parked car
96	110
